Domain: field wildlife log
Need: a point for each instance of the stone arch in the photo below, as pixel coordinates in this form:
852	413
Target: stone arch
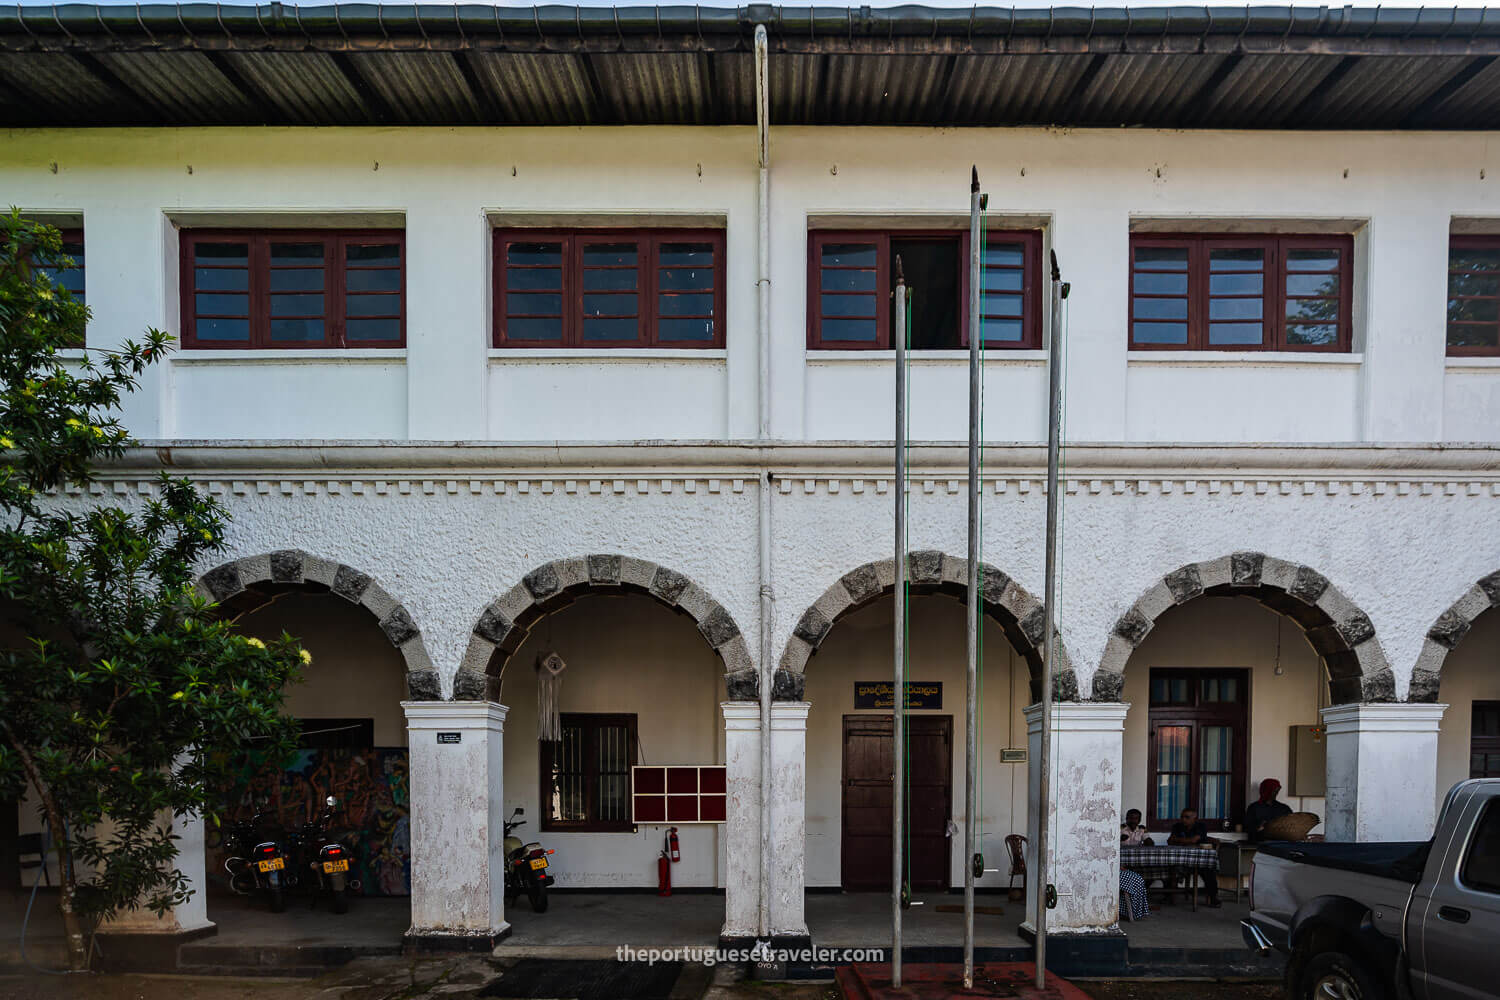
1006	602
1447	632
505	623
244	585
1339	631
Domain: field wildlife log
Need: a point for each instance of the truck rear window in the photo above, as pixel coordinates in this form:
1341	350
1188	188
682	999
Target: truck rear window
1482	864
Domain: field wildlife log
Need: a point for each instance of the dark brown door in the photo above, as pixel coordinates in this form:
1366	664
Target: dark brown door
869	767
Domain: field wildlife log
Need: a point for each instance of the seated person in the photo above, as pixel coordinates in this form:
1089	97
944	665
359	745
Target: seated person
1262	812
1133	831
1193	832
1134	888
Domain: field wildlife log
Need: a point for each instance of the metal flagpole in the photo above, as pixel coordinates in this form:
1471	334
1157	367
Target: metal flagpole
898	706
971	742
1049	640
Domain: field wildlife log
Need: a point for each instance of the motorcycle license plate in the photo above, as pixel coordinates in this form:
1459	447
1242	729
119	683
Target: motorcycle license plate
538	863
329	867
275	864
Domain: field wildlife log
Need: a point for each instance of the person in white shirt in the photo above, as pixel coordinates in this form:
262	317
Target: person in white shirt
1133	832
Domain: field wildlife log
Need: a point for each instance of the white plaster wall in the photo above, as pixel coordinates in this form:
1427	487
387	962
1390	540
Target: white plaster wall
356	673
1471	400
251	398
859	649
1399	192
1234	632
608	398
1471	673
624	654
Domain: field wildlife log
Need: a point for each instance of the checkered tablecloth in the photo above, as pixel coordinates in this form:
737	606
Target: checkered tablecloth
1160	862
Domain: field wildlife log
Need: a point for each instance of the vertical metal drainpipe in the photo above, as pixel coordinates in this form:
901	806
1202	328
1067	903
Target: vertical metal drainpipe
898	707
975	601
767	593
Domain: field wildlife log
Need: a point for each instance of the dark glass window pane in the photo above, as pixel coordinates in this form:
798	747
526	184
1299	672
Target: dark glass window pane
847	305
1001	330
1474	259
1148	283
389	279
685	279
848	281
1312	284
296	305
374	253
1236	333
356	330
623	279
211	304
1312	310
1006	280
852	330
1465	335
1305	333
1236	259
686	305
609	329
1236	284
534	254
849	255
932	268
1002	305
1005	255
1312	260
1482	863
372	305
223	329
296	329
1161	308
1474	310
518	304
296	253
287	279
609	305
1234	308
533	329
222	253
696	255
1160	333
685	329
547	279
221	279
1162	258
609	255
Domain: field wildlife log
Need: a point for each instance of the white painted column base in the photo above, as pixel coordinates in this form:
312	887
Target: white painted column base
190	918
457	824
1083	845
742	823
788	791
1382	766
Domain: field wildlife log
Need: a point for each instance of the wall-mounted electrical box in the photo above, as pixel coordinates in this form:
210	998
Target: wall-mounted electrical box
1307	764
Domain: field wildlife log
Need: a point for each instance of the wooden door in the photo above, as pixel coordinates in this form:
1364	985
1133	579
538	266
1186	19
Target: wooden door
869	767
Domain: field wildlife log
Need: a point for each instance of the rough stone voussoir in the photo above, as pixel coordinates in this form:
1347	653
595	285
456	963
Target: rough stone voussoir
742	685
350	584
414	651
637	572
1491	587
1333	603
1215	572
423	685
493	625
469	686
812	627
667	585
1424	686
926	566
833	602
316	569
1155	602
255	569
992	584
1356	629
788	686
1472	604
794	658
572	572
398	626
1034	626
862	584
1379	687
956	570
1116	654
736	656
604	569
694	600
1065	685
223	582
378	601
1018	602
885	572
478	655
515	602
1184	584
1309	585
1449	629
1278	573
1371	659
1132	627
286	566
718	627
542	582
1245	568
1108	685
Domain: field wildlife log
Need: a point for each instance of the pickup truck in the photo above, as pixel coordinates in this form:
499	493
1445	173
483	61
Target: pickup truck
1407	921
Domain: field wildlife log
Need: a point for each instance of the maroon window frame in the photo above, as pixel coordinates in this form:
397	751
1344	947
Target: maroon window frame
1194	712
74	278
362	293
1473	296
580	760
884	286
1214	303
580	293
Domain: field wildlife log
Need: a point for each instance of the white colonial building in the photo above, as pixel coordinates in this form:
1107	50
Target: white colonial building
478	349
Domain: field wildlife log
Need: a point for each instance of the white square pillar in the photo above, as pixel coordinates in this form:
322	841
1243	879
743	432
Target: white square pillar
742	823
1083	846
788	791
188	919
1382	767
457	824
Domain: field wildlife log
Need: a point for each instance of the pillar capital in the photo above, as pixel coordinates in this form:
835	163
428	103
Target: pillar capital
426	715
1384	717
1080	716
740	715
789	716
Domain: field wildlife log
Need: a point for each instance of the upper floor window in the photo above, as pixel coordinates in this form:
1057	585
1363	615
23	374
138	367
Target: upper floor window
285	289
1237	293
71	278
852	279
609	288
1474	295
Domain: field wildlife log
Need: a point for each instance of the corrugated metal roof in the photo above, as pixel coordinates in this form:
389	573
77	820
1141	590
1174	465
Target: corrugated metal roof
1179	66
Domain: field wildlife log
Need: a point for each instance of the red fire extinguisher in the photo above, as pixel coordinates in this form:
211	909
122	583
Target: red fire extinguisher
673	848
663	875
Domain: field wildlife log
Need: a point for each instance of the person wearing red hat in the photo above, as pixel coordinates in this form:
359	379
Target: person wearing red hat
1262	812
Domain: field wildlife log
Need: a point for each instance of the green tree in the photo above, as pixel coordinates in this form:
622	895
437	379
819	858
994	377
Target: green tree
124	696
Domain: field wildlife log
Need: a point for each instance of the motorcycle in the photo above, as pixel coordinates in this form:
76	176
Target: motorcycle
323	861
257	863
525	867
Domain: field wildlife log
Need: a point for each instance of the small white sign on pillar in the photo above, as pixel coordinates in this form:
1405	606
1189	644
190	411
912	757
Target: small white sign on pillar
457	823
1382	769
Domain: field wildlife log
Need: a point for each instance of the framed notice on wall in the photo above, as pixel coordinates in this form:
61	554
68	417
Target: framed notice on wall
677	793
882	694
